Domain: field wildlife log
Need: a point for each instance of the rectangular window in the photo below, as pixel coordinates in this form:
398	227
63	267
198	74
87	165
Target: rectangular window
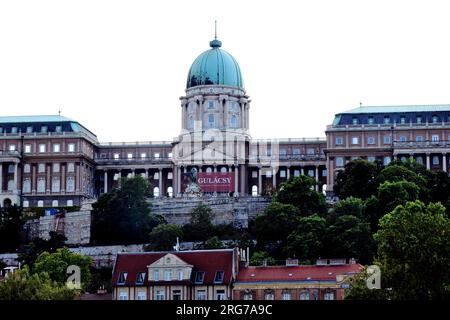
44	129
143	155
435	138
355	140
29	129
371	159
70	184
387	120
71	167
56	167
160	295
123	296
142	295
220	295
210	104
370	140
210	121
282	173
419	119
339	141
12	147
354	120
180	275
14	130
58	129
28	148
42	148
386	160
402	119
419	138
71	147
116	156
201	294
387	139
156	155
41	168
56	147
370	120
130	156
169	155
56	184
168	275
1	129
310	151
296	152
402	138
329	296
156	275
269	296
339	162
176	295
27	168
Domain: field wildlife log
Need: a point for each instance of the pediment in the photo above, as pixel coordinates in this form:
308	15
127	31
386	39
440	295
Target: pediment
169	260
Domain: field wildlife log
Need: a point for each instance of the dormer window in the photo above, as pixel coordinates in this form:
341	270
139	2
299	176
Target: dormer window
122	278
58	129
140	278
44	129
402	119
29	129
370	120
387	120
199	277
14	130
419	119
435	119
218	277
354	120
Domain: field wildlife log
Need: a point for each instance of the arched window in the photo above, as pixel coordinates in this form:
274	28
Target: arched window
435	160
233	121
156	192
40	203
26	186
55	203
254	191
223	169
190	124
208	170
419	160
170	192
435	119
304	295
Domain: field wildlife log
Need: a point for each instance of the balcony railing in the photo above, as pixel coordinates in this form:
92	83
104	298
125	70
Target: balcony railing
133	161
289	157
421	144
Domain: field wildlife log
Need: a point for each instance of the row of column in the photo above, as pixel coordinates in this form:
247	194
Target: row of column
428	160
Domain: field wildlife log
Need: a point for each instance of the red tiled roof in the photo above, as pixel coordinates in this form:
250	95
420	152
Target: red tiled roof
208	261
295	273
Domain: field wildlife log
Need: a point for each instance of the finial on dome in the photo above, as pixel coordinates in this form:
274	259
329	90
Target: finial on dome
215	43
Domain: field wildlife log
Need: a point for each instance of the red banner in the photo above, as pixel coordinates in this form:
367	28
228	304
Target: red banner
216	181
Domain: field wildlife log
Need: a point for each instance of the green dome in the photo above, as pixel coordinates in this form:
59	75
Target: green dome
215	66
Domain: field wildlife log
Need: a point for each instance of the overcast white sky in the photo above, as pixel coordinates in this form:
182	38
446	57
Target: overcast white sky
119	67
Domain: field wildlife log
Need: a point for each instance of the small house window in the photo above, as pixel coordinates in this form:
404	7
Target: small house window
140	278
219	277
122	278
199	277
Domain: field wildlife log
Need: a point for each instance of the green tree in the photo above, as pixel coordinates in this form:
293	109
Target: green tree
306	241
392	194
402	172
213	243
259	257
10	228
349	206
274	225
300	192
21	285
358	288
350	237
358	179
123	215
200	226
55	265
414	251
164	237
30	252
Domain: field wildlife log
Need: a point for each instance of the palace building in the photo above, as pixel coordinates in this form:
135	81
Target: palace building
53	161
